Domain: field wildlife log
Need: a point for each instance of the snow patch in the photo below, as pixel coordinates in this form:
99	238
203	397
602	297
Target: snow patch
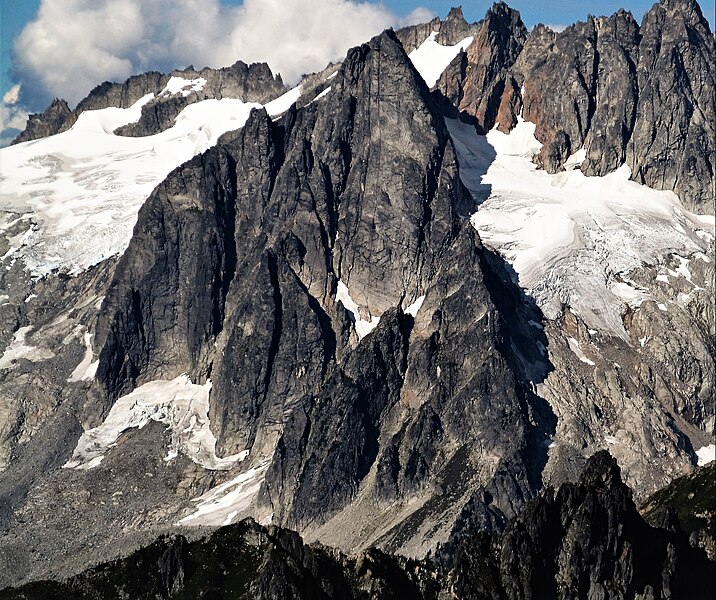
18	349
574	347
701	256
683	268
179	85
86	370
181	405
431	59
362	326
576	160
281	104
220	505
106	120
706	454
630	295
683	299
413	309
322	94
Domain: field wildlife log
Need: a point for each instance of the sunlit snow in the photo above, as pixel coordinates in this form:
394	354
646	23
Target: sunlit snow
281	104
323	94
413	309
431	59
362	326
181	405
80	191
220	505
575	347
576	160
180	85
572	239
86	369
19	349
706	454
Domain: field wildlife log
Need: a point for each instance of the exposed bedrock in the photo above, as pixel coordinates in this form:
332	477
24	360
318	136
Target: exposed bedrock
232	275
249	83
625	93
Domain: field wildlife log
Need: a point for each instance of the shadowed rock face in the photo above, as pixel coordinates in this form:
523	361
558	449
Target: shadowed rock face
232	274
46	123
687	504
587	540
615	102
432	426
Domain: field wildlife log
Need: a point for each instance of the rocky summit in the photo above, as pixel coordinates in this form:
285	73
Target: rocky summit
431	323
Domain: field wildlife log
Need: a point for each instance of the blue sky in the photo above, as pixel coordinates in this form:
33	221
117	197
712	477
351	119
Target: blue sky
547	11
16	14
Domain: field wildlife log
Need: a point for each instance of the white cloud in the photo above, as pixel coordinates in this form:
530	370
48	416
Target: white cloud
417	15
12	116
72	45
12	119
12	95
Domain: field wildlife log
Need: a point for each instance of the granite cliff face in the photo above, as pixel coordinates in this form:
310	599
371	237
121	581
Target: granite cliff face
312	325
602	86
288	372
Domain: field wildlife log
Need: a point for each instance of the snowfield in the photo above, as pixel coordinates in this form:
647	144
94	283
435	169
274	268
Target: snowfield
180	404
79	192
222	504
706	454
431	59
572	239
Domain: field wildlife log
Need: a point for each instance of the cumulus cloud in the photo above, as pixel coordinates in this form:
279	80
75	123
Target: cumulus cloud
12	116
417	15
12	95
72	45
